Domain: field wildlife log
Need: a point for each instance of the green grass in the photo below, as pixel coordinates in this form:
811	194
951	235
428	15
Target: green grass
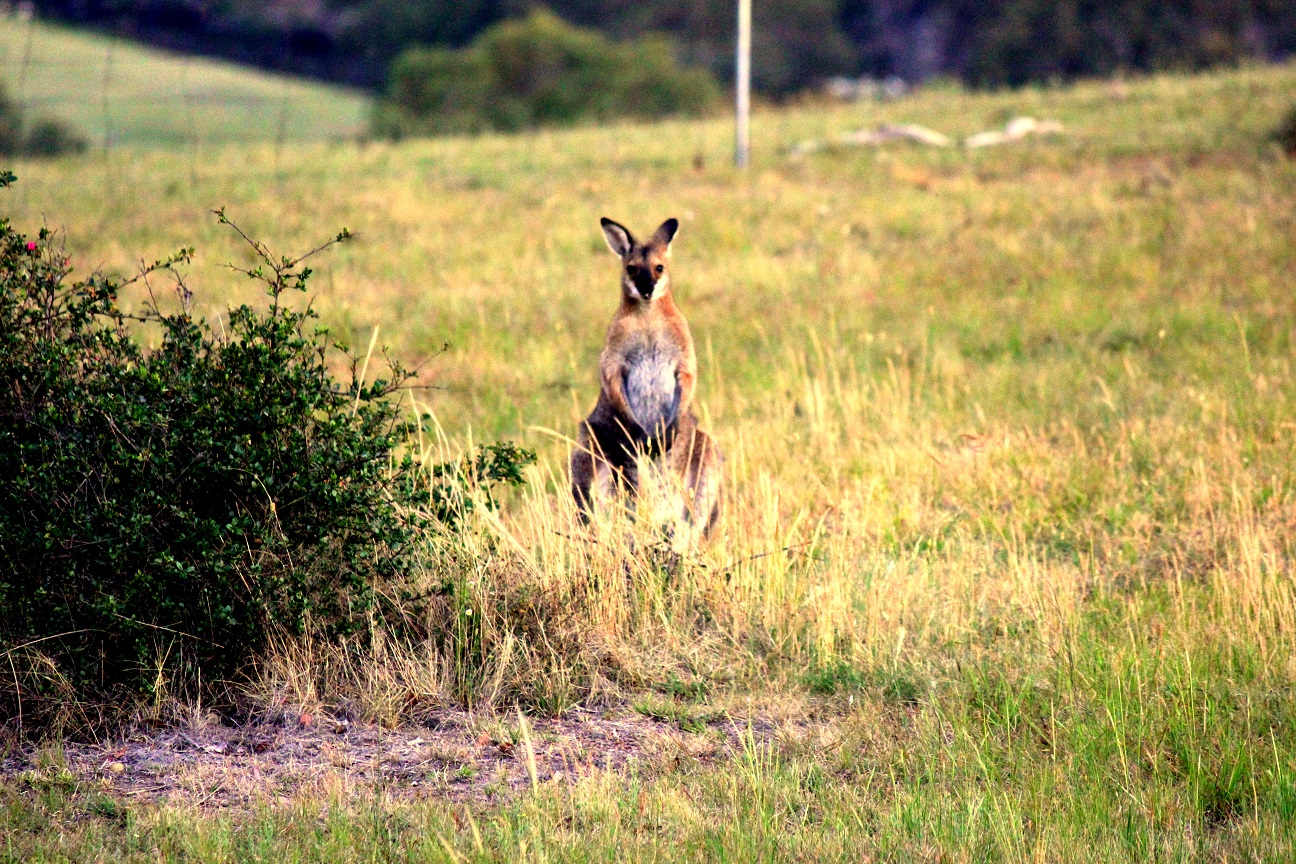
1152	757
128	95
1010	435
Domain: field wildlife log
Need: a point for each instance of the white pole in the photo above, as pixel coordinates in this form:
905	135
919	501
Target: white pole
742	80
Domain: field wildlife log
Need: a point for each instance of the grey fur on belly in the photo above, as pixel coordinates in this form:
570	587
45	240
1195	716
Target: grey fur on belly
652	391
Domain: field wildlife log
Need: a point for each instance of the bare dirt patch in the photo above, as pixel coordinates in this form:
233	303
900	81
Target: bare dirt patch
458	756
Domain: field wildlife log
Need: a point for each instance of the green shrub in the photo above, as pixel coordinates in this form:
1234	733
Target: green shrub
170	511
44	137
48	138
537	71
1285	134
11	127
433	90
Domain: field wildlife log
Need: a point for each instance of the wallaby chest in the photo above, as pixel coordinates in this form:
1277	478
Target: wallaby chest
651	385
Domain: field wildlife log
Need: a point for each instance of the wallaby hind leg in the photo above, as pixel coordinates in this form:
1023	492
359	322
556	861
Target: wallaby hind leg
696	459
594	477
590	474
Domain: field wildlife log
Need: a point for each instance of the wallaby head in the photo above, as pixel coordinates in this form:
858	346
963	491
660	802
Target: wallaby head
645	267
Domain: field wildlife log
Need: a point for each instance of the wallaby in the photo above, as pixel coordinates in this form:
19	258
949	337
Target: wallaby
648	371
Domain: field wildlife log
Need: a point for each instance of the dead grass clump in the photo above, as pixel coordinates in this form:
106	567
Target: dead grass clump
477	629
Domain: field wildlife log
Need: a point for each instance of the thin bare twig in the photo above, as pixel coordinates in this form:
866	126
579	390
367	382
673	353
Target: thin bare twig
731	565
167	629
46	639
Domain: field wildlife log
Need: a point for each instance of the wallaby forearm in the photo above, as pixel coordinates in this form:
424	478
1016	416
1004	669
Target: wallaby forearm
613	375
686	381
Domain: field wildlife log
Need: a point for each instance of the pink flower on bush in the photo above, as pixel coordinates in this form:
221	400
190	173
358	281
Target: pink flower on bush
31	245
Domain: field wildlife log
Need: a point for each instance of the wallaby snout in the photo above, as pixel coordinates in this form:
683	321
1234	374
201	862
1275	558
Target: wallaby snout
643	279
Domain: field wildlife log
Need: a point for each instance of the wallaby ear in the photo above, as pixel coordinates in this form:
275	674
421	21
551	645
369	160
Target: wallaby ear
666	232
619	238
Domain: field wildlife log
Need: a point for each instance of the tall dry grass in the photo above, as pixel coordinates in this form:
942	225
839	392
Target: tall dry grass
902	543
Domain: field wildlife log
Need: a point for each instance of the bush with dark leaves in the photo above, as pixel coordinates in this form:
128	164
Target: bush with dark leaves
1285	134
538	71
167	512
42	138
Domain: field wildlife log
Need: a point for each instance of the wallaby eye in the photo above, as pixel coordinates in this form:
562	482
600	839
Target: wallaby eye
658	269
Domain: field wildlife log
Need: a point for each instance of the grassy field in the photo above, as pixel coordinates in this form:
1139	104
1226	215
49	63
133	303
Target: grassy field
1007	559
122	94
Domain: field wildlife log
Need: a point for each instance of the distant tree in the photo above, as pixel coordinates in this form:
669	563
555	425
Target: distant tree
537	71
42	137
1285	134
1274	27
381	29
796	42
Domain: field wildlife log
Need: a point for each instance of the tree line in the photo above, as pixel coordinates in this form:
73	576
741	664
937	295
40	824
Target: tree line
985	43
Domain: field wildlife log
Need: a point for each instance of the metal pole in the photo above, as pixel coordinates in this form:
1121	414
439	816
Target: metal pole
742	80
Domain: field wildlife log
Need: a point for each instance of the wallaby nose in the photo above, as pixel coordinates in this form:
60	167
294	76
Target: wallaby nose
644	283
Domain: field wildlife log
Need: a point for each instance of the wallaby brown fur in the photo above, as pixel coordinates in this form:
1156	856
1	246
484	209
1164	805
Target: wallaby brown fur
648	371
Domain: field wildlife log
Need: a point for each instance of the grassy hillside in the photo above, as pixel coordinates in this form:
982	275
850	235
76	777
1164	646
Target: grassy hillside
1006	571
132	96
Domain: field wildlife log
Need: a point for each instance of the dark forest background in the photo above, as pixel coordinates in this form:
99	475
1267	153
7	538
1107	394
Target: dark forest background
985	43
